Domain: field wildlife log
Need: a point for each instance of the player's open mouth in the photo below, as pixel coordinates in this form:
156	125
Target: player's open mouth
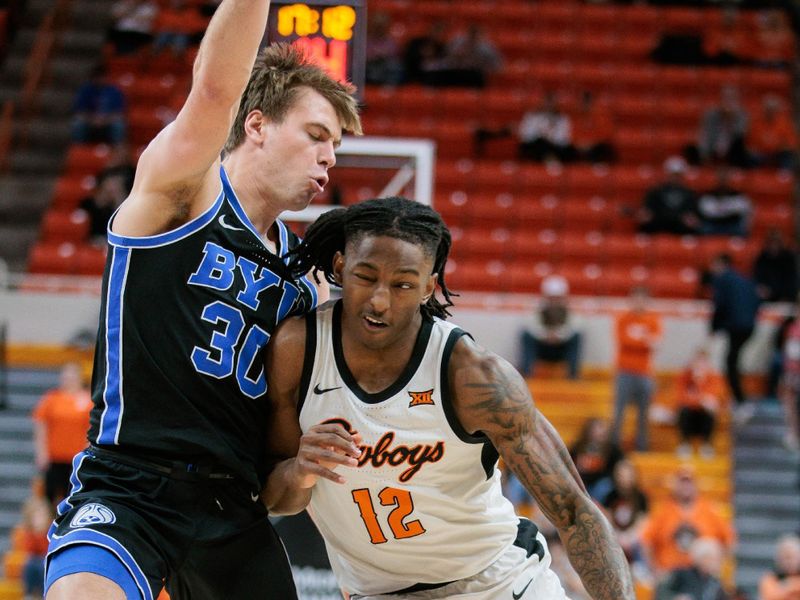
373	323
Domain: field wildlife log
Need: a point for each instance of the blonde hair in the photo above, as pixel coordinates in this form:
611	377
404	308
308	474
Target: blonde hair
280	71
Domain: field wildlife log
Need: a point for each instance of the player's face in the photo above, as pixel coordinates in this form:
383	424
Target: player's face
299	151
384	281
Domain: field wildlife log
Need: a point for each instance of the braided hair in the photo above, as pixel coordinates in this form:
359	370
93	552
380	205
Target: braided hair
394	217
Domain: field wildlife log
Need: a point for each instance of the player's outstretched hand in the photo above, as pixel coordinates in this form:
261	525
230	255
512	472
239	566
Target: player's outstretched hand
323	448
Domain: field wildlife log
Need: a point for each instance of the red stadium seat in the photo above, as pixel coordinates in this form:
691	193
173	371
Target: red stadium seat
618	280
69	191
452	207
674	251
477	275
536	214
65	226
665	282
579	246
584	278
90	260
530	246
635	111
486	243
86	159
490	211
586	215
526	277
623	250
55	258
588	181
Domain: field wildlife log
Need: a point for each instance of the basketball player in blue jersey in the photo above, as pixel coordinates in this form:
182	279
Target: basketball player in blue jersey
167	493
419	513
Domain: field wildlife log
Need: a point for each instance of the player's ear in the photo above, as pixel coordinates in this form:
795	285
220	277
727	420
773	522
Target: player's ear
430	287
255	126
338	267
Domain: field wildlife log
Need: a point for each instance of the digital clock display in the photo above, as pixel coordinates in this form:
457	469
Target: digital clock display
333	33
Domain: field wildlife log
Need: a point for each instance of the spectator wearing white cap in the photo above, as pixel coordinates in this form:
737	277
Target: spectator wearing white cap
553	336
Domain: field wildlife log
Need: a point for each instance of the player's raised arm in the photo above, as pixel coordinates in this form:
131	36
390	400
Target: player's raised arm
491	397
175	180
299	458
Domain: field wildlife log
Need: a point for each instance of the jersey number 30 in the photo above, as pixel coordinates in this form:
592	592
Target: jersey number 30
404	505
224	341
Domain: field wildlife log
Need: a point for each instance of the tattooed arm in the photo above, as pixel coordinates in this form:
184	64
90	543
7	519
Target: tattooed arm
491	397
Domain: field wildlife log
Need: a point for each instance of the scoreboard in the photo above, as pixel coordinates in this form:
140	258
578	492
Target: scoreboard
332	32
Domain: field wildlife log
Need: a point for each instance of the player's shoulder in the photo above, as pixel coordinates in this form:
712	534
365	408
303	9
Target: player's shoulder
468	356
290	333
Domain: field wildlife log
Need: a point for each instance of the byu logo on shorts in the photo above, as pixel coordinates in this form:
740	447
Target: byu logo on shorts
93	514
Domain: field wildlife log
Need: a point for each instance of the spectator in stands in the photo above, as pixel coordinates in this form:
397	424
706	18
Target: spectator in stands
61	420
554	336
627	506
736	303
177	25
777	359
772	139
638	332
721	138
699	393
783	582
774	39
424	54
678	521
120	164
133	25
729	43
108	194
545	134
384	65
724	210
595	455
790	382
671	206
699	581
592	131
470	59
37	515
99	111
775	270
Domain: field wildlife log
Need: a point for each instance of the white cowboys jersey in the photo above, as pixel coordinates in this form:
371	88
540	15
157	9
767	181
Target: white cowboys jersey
425	504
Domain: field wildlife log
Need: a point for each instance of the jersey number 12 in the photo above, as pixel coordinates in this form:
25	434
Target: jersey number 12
404	505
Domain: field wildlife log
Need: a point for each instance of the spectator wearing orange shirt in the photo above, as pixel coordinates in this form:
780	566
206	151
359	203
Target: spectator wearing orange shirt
61	420
729	43
772	139
592	131
678	521
37	514
783	583
638	332
700	390
774	40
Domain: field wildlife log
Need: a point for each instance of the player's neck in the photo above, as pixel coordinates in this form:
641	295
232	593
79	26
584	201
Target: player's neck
375	369
259	210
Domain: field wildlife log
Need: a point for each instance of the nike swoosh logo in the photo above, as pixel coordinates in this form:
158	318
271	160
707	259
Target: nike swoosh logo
318	390
226	226
518	595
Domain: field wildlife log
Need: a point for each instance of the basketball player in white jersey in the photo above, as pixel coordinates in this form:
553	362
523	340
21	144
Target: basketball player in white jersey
416	511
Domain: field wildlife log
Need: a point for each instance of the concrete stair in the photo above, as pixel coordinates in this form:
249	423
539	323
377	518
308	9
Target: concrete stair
767	501
17	468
